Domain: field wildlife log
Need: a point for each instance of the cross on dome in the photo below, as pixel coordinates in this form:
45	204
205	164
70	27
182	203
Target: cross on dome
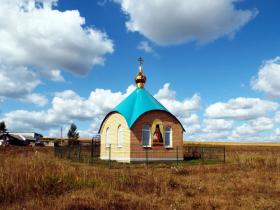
141	61
140	79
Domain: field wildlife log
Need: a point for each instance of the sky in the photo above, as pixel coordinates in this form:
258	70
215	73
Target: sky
214	64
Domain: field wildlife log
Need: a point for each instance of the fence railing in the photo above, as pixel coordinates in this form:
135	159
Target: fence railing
81	153
115	154
205	153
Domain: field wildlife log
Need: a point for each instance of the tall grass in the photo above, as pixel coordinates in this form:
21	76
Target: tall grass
35	179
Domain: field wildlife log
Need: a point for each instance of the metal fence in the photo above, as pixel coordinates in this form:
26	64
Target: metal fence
80	153
114	155
205	153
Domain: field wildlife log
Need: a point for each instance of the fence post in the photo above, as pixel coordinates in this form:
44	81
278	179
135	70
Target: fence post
177	154
109	155
147	158
55	151
224	154
202	154
91	152
79	152
61	152
69	152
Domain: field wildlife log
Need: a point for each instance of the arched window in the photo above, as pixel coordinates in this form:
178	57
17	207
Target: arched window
146	135
168	137
107	140
120	136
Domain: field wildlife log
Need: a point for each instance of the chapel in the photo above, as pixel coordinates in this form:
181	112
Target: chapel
141	126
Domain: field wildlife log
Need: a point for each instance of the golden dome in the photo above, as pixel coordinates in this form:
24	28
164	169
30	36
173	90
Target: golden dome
140	78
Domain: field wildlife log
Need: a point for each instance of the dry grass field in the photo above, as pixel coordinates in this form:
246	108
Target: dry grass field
34	179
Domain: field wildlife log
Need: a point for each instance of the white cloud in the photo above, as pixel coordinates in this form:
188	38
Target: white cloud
213	129
277	117
93	128
183	110
16	82
22	120
99	102
67	106
35	98
173	22
129	90
217	124
241	109
54	75
168	98
33	33
54	133
102	3
277	131
146	47
165	93
192	119
19	83
262	124
192	129
268	78
255	130
255	126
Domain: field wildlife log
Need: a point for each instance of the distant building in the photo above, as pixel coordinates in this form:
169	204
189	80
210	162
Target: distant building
20	138
33	136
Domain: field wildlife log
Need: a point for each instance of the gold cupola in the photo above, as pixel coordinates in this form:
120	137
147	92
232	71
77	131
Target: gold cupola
140	79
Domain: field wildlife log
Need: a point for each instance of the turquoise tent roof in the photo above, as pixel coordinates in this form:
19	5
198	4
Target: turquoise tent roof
136	104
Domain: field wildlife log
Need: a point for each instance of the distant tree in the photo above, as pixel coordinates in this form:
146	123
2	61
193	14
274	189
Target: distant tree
2	127
72	134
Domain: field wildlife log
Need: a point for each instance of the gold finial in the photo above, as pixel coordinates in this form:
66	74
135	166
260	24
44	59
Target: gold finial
140	79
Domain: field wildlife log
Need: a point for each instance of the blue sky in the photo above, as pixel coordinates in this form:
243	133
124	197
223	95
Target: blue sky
214	64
